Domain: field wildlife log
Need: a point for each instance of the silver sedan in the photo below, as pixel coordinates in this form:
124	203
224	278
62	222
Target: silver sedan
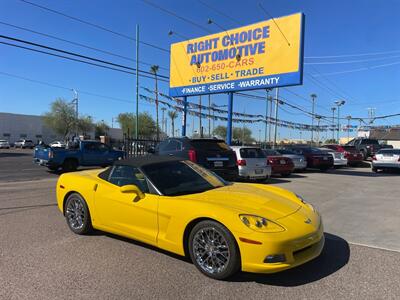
252	163
386	159
300	163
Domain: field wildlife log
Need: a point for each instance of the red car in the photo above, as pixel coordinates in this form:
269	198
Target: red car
353	156
279	164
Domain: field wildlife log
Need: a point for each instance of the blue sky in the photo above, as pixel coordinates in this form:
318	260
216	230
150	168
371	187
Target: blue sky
333	28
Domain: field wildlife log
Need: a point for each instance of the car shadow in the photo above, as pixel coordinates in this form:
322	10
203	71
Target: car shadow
354	172
334	256
13	154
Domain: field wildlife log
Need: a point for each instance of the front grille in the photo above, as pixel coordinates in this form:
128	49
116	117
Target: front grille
302	250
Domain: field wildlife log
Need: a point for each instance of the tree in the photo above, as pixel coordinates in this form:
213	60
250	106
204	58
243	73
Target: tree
147	126
101	128
60	118
85	125
173	115
238	133
330	141
154	70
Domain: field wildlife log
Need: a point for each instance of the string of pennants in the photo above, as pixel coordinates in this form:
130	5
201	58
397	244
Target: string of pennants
255	118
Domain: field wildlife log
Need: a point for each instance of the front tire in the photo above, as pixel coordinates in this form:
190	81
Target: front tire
77	215
70	165
213	250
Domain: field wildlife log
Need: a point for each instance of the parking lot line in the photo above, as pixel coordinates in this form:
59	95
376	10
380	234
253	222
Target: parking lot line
374	247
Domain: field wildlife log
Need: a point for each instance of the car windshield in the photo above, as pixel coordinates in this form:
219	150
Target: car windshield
370	142
390	151
181	178
287	152
209	145
251	153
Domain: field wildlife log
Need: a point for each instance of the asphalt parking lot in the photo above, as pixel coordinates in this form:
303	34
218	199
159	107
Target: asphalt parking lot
40	258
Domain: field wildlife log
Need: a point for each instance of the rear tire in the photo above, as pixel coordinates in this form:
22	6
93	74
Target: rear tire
77	214
70	165
213	250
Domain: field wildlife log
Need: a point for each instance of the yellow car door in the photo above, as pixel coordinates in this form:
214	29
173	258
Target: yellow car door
125	213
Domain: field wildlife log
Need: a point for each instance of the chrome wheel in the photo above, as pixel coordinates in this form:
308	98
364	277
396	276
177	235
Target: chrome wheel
211	250
75	213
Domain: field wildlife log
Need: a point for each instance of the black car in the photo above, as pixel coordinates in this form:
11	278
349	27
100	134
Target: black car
213	154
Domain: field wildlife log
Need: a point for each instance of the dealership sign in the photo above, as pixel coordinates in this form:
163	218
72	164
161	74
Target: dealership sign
262	55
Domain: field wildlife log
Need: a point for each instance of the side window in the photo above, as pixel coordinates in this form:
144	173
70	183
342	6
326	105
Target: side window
161	147
102	147
89	147
124	175
173	145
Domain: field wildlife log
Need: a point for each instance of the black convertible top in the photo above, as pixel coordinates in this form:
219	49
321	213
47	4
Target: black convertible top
146	160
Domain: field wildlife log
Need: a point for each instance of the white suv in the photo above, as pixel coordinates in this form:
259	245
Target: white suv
4	144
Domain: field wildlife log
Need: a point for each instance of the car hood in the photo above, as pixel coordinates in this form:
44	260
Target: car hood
266	201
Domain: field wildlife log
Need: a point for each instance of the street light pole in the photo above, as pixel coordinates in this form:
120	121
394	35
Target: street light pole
339	103
266	117
276	117
333	122
137	84
313	96
209	116
76	102
348	128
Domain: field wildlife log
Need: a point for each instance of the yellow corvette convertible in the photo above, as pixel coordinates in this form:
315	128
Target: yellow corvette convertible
180	207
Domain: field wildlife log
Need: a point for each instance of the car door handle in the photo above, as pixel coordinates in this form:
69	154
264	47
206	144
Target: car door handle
170	154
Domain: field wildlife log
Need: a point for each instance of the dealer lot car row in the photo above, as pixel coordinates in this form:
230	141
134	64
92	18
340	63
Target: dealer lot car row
231	163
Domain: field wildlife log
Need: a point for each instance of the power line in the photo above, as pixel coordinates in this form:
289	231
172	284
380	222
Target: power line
74	54
77	44
265	11
351	61
354	55
175	15
93	25
219	12
64	87
358	69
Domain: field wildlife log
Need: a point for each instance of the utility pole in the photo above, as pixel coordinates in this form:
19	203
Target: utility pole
339	103
276	116
348	128
319	119
270	116
313	96
266	118
137	85
163	109
209	116
76	102
333	122
371	114
200	126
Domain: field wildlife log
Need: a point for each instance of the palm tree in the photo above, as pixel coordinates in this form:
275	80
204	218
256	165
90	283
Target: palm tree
154	70
173	115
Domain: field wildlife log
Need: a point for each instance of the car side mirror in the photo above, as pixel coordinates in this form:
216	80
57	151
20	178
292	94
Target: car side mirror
132	189
151	150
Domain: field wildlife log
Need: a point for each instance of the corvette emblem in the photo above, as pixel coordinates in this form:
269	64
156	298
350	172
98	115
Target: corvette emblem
308	221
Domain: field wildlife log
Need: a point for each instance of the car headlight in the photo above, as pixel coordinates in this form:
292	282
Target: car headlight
306	203
260	224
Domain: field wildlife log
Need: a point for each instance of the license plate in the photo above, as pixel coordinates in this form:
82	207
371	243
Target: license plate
258	171
325	158
283	162
218	164
355	155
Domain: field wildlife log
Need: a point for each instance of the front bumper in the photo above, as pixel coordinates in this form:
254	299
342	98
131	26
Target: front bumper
340	162
296	248
300	165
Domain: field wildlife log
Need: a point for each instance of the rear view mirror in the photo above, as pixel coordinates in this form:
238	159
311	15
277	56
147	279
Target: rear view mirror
151	150
132	189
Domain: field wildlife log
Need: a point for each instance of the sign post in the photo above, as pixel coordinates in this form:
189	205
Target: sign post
184	115
229	125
